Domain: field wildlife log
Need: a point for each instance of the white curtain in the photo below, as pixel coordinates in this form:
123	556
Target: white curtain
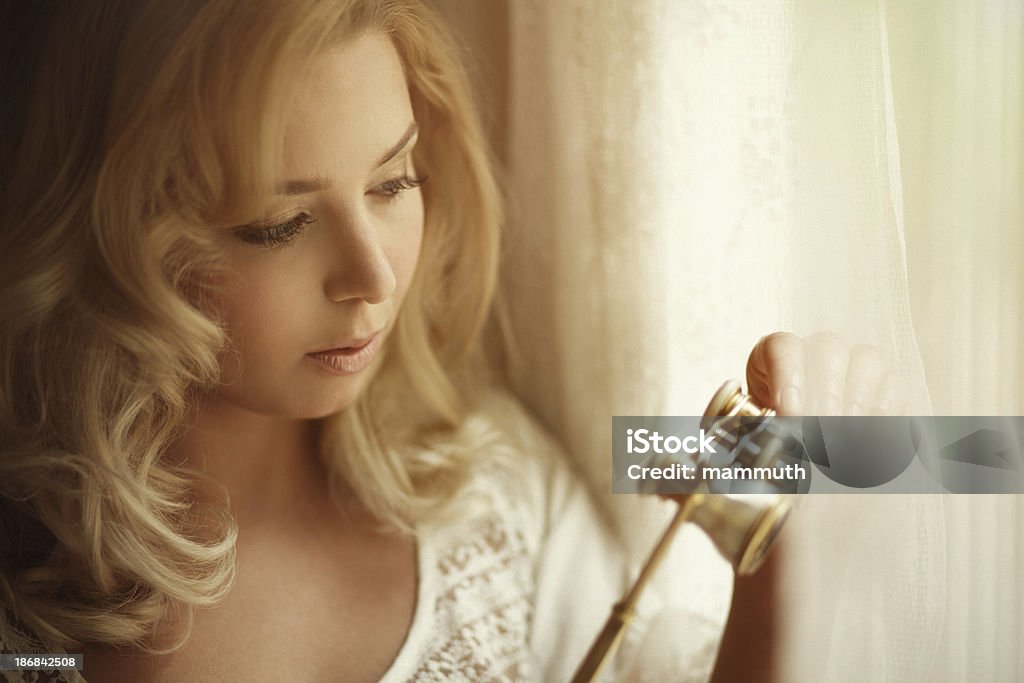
686	176
958	77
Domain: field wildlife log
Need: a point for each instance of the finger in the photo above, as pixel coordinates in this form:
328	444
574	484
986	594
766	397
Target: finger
826	359
891	398
775	372
863	379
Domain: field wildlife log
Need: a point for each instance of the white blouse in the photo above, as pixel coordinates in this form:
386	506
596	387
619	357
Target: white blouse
519	591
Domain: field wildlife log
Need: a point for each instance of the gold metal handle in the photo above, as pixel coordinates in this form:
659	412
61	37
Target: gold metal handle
742	528
624	611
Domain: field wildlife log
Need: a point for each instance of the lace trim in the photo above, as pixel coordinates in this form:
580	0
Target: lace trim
483	609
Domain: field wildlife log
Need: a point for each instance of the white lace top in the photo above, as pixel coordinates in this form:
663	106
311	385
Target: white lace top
518	590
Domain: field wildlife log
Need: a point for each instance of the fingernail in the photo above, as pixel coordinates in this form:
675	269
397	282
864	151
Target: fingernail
790	401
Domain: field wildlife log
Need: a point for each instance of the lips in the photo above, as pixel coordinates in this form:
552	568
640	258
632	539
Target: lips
348	357
351	344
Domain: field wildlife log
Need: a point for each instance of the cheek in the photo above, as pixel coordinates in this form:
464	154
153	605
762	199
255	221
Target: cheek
406	253
263	313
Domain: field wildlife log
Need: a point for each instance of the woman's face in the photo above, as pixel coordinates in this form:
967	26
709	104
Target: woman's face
329	264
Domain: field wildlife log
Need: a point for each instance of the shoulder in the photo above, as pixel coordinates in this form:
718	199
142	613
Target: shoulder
479	563
577	567
523	471
524	494
509	573
514	425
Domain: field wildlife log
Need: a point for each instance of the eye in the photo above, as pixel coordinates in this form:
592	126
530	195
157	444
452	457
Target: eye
390	189
274	235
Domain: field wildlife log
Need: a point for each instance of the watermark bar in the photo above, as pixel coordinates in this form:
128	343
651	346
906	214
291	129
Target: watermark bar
794	455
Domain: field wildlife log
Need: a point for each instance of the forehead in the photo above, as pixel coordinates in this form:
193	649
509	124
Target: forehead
350	105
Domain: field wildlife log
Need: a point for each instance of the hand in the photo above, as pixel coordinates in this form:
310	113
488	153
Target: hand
822	375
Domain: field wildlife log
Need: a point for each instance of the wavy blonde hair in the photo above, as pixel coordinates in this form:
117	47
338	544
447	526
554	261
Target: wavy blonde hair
134	135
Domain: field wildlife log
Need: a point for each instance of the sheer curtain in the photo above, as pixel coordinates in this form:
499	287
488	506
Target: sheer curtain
686	176
958	77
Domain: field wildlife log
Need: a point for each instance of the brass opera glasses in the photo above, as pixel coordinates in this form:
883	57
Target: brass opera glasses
742	527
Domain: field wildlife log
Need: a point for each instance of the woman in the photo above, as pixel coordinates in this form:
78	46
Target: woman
247	429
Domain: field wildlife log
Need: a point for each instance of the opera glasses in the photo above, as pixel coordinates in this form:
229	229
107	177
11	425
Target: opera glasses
742	526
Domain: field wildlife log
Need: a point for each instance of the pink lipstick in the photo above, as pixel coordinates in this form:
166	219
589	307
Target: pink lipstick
349	360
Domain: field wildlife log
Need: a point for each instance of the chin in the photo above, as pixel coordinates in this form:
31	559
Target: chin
332	404
339	407
301	405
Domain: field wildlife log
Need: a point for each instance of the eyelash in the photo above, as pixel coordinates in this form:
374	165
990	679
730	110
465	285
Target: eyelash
281	234
275	235
390	189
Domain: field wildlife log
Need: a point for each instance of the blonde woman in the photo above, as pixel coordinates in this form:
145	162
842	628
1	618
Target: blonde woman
247	426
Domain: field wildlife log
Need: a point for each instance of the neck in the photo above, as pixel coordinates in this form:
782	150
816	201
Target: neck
267	465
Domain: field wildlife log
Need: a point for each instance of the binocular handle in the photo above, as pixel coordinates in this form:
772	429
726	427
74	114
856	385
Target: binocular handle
742	528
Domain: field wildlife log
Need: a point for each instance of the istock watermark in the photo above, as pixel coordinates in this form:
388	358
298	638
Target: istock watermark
903	454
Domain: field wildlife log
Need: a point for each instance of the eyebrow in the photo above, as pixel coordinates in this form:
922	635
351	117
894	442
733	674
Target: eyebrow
317	183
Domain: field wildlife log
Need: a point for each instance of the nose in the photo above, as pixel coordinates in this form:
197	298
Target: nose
359	264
